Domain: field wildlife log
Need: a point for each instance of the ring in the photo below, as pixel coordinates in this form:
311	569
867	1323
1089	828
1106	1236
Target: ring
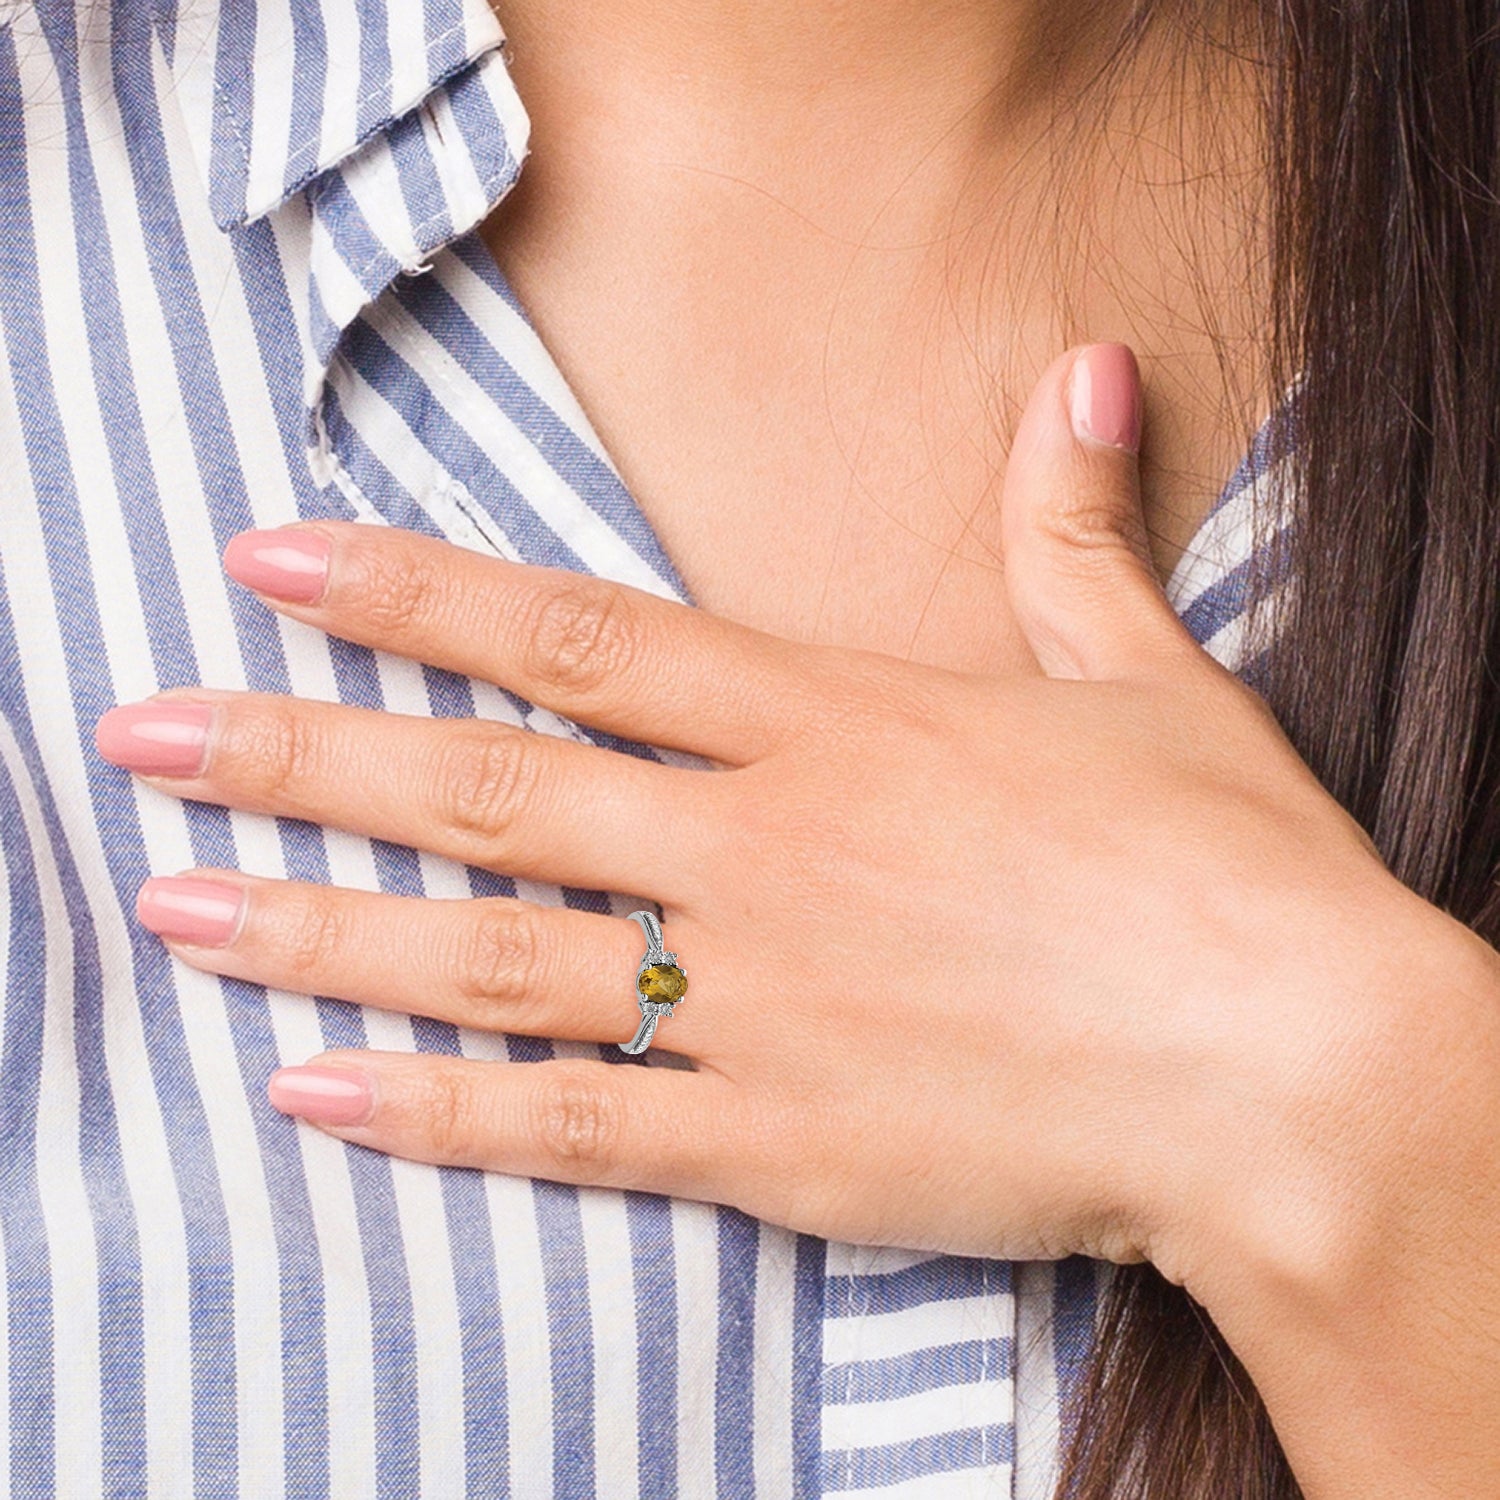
660	983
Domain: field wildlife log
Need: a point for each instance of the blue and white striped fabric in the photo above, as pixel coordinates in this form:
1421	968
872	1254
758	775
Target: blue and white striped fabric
210	222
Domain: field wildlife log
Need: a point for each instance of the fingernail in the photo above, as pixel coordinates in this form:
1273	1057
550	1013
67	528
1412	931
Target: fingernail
288	564
205	912
156	739
1105	396
322	1096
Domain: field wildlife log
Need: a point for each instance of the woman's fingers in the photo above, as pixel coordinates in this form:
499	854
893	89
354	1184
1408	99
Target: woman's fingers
660	1130
595	651
488	794
495	964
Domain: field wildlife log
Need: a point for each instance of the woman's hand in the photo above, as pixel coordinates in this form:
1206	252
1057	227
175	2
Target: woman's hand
1083	960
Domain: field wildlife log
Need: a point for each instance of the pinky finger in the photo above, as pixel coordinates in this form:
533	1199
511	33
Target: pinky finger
575	1120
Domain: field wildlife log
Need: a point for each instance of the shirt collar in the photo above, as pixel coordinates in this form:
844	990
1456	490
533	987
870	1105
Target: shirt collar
368	133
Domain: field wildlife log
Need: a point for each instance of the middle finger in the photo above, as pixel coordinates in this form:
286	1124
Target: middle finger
488	794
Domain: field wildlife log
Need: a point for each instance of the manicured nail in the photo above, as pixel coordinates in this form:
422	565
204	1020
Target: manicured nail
289	564
205	912
156	739
1105	399
322	1096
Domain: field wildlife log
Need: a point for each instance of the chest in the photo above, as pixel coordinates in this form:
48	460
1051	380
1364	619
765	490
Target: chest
820	442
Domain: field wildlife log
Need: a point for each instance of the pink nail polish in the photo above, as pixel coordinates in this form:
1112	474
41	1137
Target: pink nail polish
206	912
289	564
156	739
323	1096
1105	396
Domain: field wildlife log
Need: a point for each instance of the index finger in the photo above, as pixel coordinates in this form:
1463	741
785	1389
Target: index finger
600	652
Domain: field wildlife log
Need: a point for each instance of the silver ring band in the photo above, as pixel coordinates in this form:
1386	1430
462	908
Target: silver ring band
660	983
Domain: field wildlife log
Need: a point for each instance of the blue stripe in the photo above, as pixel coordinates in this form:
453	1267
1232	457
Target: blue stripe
309	79
570	1341
1074	1294
734	1382
942	1453
809	1288
653	1259
421	187
28	1268
938	1280
233	115
1226	599
444	24
375	98
929	1369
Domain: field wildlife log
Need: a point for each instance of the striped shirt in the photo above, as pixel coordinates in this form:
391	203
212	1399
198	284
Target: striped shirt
240	284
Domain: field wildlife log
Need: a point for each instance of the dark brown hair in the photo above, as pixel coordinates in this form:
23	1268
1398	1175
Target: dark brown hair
1383	171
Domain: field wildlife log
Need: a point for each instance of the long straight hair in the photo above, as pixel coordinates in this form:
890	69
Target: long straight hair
1383	172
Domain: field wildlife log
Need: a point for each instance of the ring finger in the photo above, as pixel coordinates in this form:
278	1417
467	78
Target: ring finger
493	963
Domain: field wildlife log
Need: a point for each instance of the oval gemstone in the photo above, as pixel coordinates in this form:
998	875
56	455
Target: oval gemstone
662	982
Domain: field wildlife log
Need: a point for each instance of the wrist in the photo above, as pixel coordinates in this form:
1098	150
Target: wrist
1356	1277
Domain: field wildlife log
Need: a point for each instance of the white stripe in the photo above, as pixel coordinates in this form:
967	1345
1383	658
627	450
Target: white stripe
408	44
343	82
195	52
611	1291
774	1368
695	1234
384	431
889	1335
1035	1396
73	1260
481	26
274	75
946	1408
143	1143
1237	643
1224	541
522	1291
872	1260
340	291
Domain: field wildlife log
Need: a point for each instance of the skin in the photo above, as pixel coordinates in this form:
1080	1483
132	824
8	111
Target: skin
1185	1012
825	366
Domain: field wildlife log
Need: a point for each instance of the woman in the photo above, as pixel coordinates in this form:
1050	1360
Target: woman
1016	927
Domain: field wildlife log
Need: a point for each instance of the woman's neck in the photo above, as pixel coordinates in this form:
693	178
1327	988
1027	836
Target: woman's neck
712	78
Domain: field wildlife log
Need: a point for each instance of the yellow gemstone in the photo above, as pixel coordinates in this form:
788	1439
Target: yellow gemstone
662	983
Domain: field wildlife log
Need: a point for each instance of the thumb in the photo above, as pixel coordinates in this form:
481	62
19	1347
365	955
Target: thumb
1077	565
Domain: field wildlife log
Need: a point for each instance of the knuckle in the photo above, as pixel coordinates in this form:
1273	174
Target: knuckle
487	781
452	1119
501	958
1088	529
272	750
396	591
314	930
578	1120
582	638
